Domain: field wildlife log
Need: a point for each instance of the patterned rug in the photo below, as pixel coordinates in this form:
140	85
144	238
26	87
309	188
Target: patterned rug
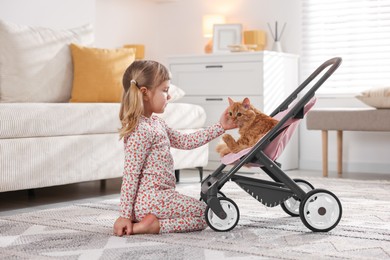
84	231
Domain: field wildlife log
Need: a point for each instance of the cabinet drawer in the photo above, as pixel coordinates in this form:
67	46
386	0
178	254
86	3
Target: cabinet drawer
243	78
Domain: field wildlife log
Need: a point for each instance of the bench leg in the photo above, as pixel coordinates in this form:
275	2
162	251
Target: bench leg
339	152
324	153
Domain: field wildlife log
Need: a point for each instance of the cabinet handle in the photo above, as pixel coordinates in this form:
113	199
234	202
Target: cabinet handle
214	66
214	99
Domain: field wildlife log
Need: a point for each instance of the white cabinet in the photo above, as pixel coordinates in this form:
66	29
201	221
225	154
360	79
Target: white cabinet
266	78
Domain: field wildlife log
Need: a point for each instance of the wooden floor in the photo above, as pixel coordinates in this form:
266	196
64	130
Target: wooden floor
24	201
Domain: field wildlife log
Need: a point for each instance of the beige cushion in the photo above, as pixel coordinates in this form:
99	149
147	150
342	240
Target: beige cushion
376	97
35	62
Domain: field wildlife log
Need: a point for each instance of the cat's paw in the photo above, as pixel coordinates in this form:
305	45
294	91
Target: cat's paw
227	138
219	147
238	149
225	152
222	149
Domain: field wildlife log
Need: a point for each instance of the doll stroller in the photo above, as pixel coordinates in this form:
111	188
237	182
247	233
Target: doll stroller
319	209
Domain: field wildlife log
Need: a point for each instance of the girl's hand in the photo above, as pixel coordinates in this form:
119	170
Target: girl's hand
226	121
123	226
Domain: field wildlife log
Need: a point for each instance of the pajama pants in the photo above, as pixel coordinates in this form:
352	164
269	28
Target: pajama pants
176	212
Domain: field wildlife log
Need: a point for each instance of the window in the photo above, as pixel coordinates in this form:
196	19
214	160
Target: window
358	31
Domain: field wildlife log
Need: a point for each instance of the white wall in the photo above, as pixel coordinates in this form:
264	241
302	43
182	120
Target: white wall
120	22
58	14
175	27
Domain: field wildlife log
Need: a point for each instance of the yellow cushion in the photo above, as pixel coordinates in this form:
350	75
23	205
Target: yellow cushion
97	73
139	50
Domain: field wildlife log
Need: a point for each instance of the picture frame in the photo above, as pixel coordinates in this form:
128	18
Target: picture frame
225	35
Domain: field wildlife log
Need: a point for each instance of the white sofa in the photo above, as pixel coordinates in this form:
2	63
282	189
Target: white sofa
47	144
47	141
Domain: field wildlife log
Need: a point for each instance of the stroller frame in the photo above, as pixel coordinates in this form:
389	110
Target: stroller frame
319	209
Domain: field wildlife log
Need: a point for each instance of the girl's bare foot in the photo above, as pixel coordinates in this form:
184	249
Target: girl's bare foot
148	225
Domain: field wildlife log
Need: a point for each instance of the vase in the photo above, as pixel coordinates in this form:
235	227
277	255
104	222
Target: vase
277	46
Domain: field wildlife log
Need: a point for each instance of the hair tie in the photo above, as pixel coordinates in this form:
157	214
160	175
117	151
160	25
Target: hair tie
134	82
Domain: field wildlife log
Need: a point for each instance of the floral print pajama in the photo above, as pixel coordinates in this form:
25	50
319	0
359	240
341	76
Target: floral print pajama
148	184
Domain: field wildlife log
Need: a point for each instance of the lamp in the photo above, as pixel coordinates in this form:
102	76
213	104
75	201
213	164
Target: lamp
208	27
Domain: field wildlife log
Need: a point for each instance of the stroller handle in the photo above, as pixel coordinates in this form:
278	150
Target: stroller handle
298	108
334	63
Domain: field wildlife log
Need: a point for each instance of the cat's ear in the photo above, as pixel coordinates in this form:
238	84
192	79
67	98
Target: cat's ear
246	103
231	101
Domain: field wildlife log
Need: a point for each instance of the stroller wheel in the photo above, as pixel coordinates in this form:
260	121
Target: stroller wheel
219	195
320	210
291	206
232	216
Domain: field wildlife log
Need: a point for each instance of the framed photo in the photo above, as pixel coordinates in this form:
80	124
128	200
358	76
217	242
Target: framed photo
225	35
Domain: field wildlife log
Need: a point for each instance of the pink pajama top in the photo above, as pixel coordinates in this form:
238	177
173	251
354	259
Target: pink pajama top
148	177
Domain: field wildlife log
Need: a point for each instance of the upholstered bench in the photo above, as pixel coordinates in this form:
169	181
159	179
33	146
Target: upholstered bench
345	119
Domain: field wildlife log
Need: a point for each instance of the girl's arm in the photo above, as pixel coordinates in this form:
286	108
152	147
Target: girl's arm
201	137
193	140
137	146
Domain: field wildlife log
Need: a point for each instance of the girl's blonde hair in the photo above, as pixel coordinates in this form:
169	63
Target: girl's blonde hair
141	73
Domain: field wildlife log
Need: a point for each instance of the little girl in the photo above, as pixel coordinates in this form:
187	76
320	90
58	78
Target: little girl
149	203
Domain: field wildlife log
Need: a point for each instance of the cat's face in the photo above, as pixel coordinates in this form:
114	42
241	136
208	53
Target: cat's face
240	111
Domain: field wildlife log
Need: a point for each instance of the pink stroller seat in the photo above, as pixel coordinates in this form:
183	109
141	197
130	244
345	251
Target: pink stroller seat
277	145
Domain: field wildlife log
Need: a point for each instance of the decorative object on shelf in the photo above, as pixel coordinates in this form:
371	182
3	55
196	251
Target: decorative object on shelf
208	27
277	46
257	38
139	50
225	35
242	47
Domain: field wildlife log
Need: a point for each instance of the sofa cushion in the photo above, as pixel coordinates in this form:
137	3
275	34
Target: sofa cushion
190	158
175	92
98	73
35	62
58	119
184	116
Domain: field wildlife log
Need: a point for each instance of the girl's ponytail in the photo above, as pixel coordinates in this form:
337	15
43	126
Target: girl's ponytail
131	109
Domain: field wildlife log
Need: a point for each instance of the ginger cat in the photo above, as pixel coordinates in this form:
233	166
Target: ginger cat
252	125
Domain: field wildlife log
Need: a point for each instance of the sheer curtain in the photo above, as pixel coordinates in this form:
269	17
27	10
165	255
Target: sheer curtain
356	30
